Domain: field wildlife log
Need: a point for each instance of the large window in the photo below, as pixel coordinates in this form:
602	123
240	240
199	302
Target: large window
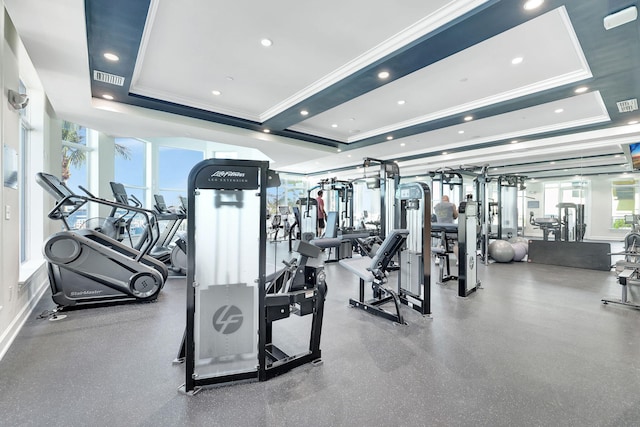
24	182
174	165
75	155
624	201
563	192
130	167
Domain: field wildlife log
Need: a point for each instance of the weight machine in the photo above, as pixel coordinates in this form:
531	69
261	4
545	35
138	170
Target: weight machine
230	304
628	270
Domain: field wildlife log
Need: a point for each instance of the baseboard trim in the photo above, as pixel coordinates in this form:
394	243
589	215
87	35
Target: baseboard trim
10	334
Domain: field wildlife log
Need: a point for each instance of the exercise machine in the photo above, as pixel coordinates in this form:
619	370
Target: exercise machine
548	225
387	181
87	267
230	305
374	271
468	248
567	226
446	236
572	226
628	270
508	187
413	201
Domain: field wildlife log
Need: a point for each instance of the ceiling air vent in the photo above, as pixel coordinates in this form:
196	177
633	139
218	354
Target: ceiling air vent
628	105
112	79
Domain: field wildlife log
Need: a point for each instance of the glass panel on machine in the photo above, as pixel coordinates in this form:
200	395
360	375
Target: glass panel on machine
227	269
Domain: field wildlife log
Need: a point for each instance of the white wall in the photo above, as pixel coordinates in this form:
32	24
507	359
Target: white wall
22	285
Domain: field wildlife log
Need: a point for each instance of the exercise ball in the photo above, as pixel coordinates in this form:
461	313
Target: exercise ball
501	251
522	240
519	251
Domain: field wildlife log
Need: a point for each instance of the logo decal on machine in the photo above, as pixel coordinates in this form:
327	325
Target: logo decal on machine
227	319
227	174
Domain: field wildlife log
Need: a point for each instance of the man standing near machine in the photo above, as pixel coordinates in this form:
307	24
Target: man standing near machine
446	211
322	215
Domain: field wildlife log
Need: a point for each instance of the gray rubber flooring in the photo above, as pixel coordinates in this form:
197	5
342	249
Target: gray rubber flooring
535	347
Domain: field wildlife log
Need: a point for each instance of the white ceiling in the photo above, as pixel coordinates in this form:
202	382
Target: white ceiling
192	47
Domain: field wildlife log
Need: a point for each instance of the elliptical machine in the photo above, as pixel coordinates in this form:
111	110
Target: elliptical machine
87	267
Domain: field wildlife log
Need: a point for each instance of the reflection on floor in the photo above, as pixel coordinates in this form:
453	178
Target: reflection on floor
534	347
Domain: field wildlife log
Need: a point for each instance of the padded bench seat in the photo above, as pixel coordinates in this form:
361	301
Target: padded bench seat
360	267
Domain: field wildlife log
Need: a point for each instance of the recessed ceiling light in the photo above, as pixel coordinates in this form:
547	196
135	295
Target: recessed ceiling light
468	118
632	122
111	56
517	60
444	152
617	156
304	112
559	110
403	144
216	92
460	132
109	97
623	166
389	138
533	4
266	131
383	75
339	150
515	141
401	102
348	155
335	125
581	89
266	42
552	163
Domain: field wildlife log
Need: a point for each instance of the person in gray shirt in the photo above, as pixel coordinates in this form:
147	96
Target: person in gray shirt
446	211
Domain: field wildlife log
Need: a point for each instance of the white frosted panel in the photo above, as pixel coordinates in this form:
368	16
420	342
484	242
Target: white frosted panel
390	199
227	233
509	201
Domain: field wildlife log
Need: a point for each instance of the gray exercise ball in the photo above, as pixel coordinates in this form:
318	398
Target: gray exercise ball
519	251
501	251
522	240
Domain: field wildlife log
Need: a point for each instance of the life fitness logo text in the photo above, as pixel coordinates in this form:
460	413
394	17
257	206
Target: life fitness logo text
227	319
228	176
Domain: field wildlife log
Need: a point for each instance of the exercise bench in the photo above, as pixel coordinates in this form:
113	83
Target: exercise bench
374	270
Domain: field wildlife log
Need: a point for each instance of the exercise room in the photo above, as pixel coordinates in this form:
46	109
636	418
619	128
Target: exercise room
416	214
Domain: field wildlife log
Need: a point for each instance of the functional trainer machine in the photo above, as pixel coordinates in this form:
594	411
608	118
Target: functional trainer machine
87	267
230	304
